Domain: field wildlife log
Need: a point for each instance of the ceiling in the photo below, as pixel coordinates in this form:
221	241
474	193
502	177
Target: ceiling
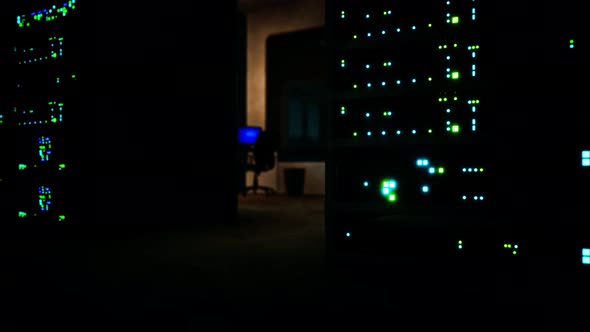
247	4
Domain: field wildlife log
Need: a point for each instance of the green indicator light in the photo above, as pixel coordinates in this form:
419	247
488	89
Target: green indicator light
61	217
571	41
22	166
61	166
392	198
430	131
441	170
22	214
430	25
355	134
455	75
514	252
430	79
355	86
354	37
460	242
455	128
455	19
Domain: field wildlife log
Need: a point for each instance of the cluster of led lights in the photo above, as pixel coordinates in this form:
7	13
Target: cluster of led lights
449	18
58	79
449	72
388	187
44	148
54	107
46	14
425	163
511	247
586	158
383	32
56	51
454	128
44	198
585	256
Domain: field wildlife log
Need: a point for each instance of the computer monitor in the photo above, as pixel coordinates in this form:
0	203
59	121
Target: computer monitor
248	135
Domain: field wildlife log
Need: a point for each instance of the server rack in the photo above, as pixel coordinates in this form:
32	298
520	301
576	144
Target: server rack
39	84
109	120
457	131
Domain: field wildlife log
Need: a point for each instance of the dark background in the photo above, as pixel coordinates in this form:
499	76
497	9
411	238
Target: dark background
296	93
158	109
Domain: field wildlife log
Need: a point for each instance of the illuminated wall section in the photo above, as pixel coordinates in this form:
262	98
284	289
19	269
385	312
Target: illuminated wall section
38	118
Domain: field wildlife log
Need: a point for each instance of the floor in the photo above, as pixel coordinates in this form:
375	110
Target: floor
268	268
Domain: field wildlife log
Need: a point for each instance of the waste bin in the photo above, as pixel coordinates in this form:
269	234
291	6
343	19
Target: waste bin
294	181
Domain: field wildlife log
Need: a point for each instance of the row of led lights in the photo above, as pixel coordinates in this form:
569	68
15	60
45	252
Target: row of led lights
386	64
450	19
53	55
509	246
452	128
454	75
384	133
22	214
513	248
388	12
48	13
22	167
388	113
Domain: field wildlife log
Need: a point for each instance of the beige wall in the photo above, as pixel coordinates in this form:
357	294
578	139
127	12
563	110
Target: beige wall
262	22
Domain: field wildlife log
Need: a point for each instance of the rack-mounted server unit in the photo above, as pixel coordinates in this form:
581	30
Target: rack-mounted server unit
457	130
38	88
118	114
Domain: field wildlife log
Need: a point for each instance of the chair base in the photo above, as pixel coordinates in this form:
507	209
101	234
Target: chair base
255	189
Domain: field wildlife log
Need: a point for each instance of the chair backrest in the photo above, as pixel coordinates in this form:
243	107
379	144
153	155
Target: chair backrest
264	152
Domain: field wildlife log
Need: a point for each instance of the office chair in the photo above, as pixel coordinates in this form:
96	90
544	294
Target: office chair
263	160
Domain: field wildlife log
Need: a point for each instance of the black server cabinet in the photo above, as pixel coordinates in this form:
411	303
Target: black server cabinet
119	114
37	104
457	129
